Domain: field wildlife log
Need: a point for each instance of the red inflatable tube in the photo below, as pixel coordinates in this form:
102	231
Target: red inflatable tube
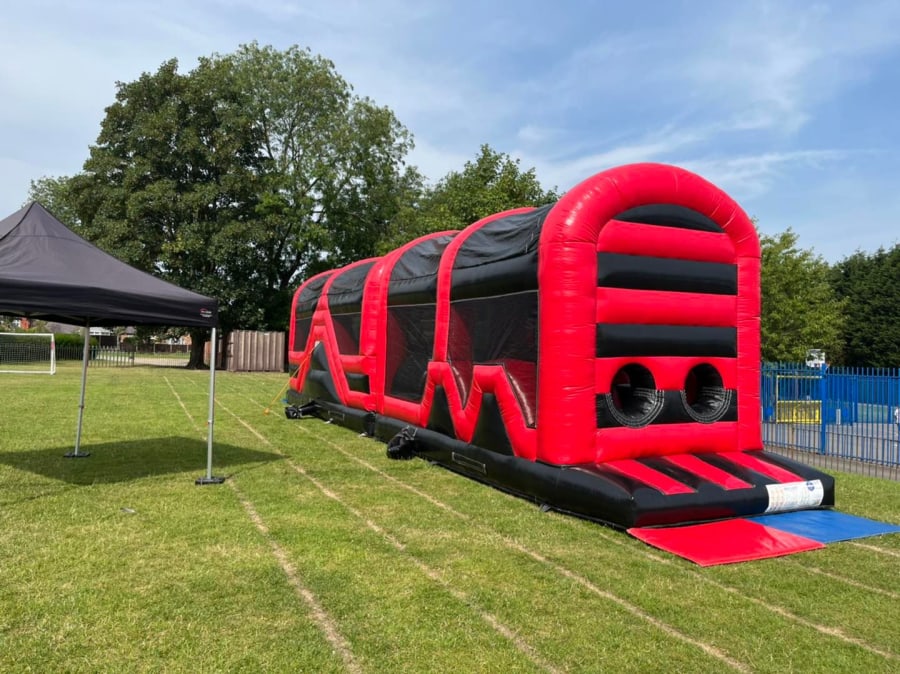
631	443
621	305
630	238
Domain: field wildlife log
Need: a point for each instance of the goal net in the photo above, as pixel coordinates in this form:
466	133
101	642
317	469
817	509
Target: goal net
27	353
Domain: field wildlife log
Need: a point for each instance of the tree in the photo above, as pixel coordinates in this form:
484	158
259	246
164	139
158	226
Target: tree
492	183
54	194
800	310
333	167
870	286
241	176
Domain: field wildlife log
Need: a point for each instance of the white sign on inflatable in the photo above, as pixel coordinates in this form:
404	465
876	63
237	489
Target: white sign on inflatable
794	496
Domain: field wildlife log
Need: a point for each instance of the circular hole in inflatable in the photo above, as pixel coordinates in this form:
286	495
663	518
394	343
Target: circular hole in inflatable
705	397
634	399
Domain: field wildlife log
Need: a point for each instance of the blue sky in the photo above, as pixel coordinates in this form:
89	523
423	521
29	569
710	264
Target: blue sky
791	107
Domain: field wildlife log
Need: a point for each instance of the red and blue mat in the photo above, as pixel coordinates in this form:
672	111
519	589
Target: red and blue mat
747	539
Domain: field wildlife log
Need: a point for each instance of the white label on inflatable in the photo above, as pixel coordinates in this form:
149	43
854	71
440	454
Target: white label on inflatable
795	496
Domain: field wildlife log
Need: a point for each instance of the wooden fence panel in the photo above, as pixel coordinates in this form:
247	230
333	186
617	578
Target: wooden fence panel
251	351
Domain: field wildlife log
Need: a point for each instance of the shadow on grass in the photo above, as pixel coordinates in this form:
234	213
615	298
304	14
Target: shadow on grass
133	459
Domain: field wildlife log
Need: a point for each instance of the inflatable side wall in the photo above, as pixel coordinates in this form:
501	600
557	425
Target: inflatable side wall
599	355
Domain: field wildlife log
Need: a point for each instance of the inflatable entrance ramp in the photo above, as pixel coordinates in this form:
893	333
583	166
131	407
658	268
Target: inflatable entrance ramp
598	355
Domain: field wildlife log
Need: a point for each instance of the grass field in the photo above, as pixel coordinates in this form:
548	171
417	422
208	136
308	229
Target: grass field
319	554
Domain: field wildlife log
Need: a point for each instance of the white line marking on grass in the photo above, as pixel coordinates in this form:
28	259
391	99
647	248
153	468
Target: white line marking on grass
520	644
320	616
180	402
631	608
844	579
784	613
324	621
627	606
873	548
245	424
432	574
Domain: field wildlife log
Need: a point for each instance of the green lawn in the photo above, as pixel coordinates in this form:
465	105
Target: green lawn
319	554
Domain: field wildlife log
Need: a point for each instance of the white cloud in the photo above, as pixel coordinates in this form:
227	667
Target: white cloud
749	176
772	64
568	172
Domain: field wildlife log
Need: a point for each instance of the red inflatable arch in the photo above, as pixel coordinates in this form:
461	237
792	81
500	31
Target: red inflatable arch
599	355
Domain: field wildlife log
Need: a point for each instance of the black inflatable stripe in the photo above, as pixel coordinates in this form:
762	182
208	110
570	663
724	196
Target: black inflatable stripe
669	215
309	296
624	339
439	418
414	276
587	490
346	291
319	384
490	431
643	272
503	277
358	382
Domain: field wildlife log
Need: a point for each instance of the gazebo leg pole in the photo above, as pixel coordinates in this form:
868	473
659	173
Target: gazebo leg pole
84	366
209	478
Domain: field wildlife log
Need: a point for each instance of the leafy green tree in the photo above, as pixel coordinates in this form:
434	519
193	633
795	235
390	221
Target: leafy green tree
493	182
333	173
869	284
54	194
240	177
800	310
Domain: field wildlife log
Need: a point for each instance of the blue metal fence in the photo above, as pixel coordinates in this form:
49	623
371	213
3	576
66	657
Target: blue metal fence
851	414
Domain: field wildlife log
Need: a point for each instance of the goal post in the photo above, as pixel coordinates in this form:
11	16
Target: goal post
27	353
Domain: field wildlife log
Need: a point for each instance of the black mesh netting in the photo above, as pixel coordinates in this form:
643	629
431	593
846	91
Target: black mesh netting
306	306
410	342
499	330
301	332
346	330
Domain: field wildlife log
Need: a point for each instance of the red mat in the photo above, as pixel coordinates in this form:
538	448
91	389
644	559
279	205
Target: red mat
725	542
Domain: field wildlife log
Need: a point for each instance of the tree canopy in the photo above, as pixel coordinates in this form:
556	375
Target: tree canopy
800	310
239	177
869	284
491	183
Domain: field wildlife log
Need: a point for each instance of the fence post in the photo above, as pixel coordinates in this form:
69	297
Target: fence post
823	416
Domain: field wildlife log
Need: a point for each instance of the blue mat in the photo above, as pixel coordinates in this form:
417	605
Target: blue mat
825	526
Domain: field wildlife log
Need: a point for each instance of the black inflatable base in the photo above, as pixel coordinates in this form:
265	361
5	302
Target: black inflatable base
588	491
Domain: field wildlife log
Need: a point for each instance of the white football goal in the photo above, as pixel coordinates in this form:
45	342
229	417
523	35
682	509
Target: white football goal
27	353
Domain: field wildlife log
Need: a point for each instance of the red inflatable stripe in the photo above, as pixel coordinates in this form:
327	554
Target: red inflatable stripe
658	307
649	476
631	238
747	460
692	464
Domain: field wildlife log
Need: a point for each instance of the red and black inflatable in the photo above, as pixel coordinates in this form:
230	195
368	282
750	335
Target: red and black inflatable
599	355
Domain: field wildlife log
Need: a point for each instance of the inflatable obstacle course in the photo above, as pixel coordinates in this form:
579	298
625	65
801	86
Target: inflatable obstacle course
599	355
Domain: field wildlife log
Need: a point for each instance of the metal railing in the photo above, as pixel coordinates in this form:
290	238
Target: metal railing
841	418
104	356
